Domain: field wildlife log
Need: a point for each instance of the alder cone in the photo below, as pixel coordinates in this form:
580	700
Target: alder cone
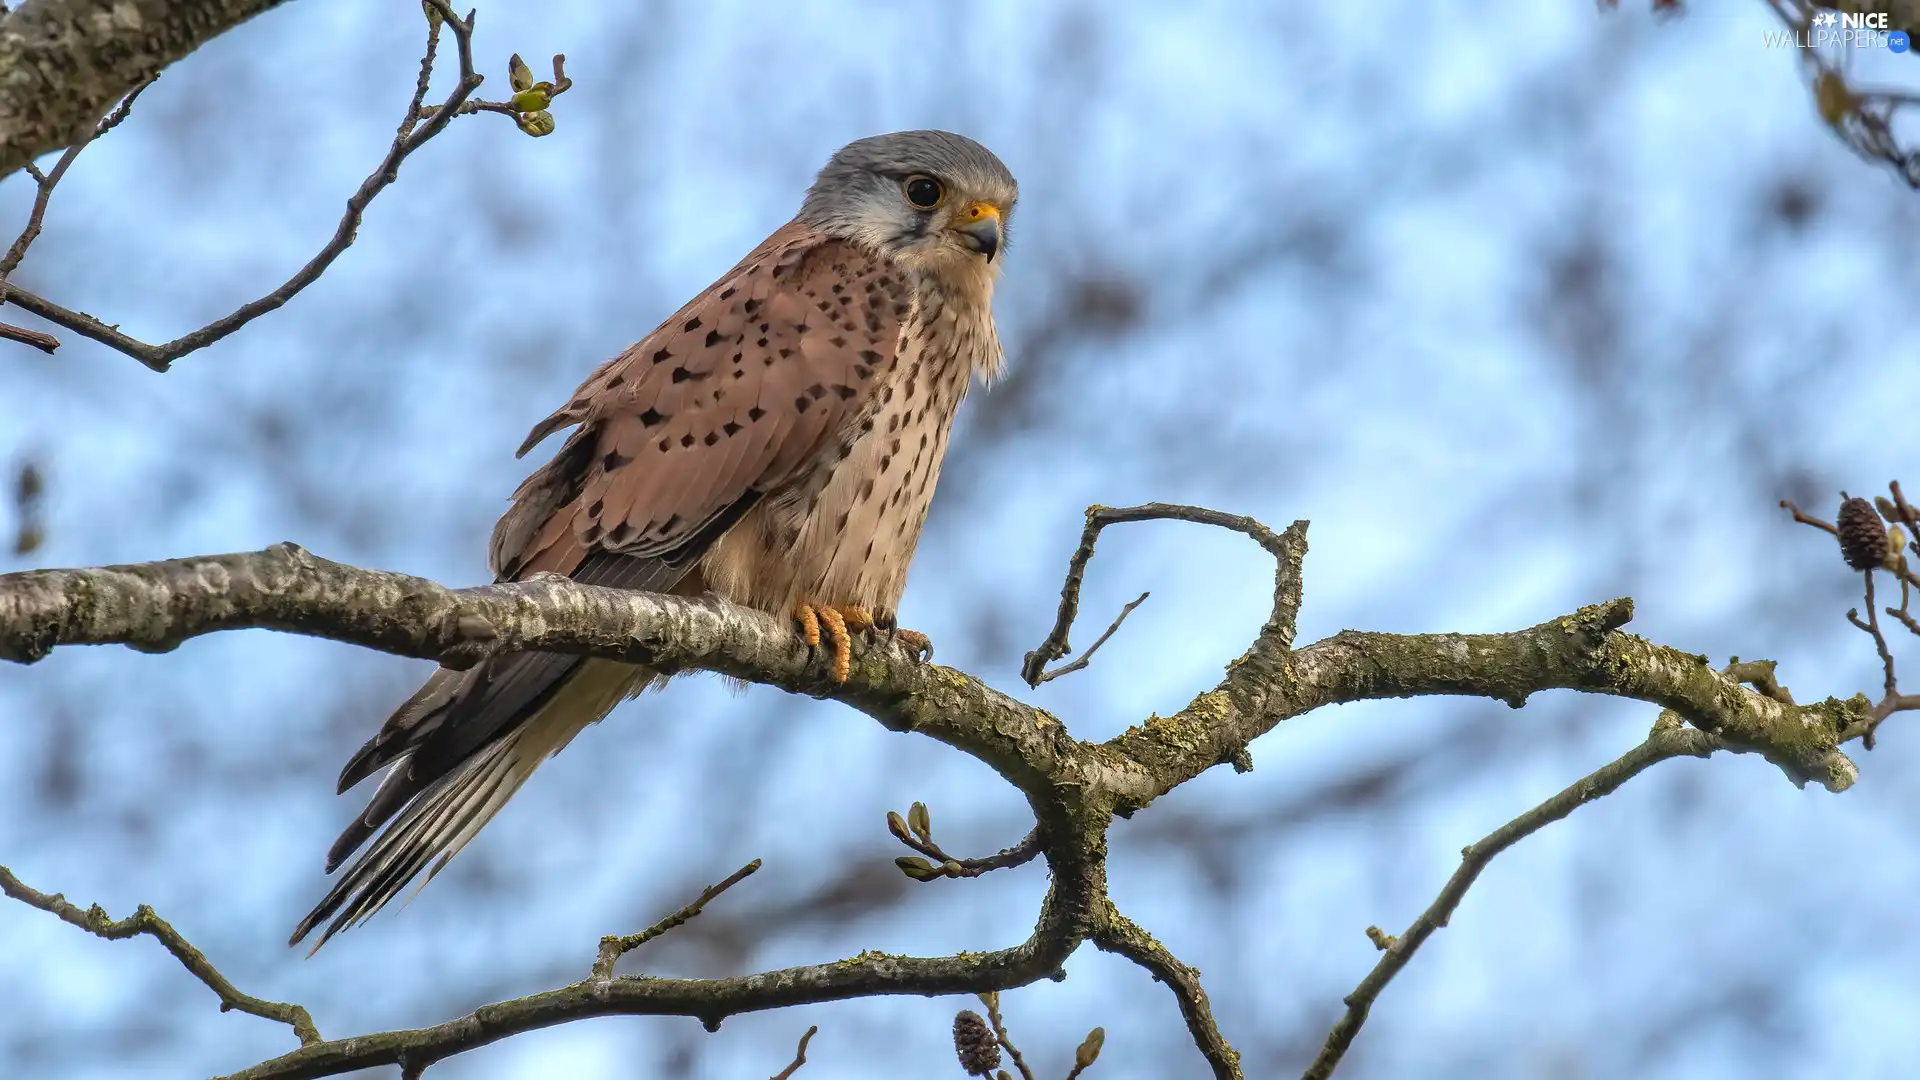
974	1042
1863	539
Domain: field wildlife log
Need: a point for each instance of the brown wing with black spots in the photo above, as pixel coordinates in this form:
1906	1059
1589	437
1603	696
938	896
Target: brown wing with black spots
727	400
678	436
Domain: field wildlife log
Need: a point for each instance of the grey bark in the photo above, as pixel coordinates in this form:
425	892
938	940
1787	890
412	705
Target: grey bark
1076	789
63	63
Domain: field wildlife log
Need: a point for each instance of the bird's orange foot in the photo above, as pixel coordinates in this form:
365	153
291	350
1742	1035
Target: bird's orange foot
835	625
920	644
831	623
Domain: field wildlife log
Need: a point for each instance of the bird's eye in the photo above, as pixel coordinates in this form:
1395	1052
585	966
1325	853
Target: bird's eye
924	192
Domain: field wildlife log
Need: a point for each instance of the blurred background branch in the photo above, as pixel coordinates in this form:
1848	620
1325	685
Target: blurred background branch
1865	117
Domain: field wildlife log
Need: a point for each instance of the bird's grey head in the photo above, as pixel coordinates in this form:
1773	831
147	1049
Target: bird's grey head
930	198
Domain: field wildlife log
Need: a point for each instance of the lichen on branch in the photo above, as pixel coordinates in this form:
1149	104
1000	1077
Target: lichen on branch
1075	788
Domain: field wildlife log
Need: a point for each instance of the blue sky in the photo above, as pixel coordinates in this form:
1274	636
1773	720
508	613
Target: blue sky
1503	302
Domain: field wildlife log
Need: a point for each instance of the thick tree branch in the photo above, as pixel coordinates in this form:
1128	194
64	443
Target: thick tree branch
1582	651
709	1000
1074	788
63	63
1273	682
155	606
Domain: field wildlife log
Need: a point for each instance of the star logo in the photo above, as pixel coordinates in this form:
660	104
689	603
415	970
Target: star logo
1824	18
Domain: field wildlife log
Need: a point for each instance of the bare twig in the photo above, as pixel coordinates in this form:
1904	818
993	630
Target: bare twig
1908	514
612	947
411	118
46	343
1862	117
1287	586
1871	626
1892	682
708	1000
799	1057
991	999
1808	519
37	216
121	110
95	921
48	181
416	128
1882	709
1087	657
1896	511
1910	517
1761	675
1122	936
1670	738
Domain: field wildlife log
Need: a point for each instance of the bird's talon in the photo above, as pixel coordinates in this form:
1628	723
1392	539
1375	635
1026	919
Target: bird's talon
826	623
917	643
809	624
857	618
835	626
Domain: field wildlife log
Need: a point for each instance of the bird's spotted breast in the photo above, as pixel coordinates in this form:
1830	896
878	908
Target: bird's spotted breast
844	532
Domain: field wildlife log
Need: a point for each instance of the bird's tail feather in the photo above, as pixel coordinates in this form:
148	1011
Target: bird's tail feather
440	820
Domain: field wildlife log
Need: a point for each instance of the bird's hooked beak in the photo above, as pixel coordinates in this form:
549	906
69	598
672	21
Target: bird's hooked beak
979	228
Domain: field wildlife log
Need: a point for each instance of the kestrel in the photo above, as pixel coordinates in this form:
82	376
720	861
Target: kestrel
776	442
